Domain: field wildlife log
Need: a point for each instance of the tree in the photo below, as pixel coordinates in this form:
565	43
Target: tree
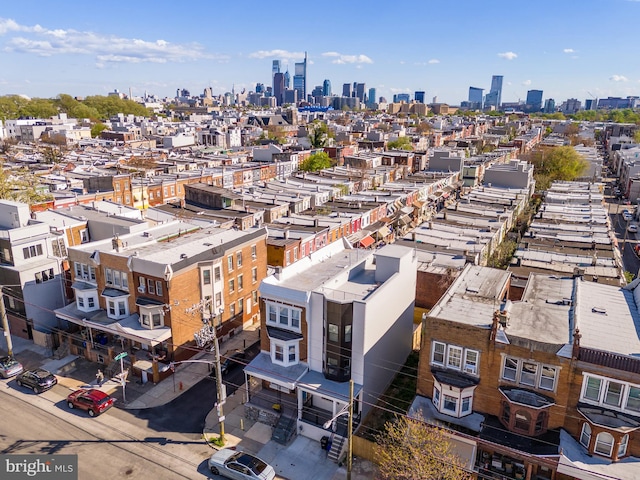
410	449
20	186
636	136
402	143
555	163
97	129
424	128
319	134
315	162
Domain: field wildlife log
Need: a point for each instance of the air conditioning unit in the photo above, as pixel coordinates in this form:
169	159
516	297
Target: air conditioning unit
470	369
141	289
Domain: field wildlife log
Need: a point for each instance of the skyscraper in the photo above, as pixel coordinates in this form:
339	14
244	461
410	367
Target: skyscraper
300	78
401	97
534	100
475	98
494	97
275	68
278	88
372	97
360	91
326	88
287	79
419	96
347	90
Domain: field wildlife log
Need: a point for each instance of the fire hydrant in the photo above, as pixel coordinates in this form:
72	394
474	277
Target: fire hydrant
180	385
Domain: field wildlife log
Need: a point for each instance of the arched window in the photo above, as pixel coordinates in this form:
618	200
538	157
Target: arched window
523	420
585	436
622	449
541	422
604	444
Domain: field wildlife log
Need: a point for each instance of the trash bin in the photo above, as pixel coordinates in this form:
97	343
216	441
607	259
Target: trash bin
324	441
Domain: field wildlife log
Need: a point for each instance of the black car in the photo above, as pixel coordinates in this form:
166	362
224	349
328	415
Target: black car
37	380
230	361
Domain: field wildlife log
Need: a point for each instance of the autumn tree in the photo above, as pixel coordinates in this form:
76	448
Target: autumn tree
551	164
411	449
316	161
424	128
21	186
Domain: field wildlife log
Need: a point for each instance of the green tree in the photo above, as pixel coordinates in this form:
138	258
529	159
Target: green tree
636	136
97	129
410	449
319	134
21	186
315	161
402	143
555	163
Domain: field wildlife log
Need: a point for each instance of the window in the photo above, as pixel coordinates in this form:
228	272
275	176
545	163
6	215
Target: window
523	420
230	263
91	302
333	332
231	285
80	302
528	374
218	299
604	444
347	333
633	399
548	378
284	315
216	274
254	252
471	361
295	318
241	305
510	370
273	313
450	404
622	448
292	354
232	309
454	357
108	276
157	320
151	287
254	297
466	405
239	259
287	256
240	282
585	435
158	288
254	274
613	394
112	308
173	190
32	251
295	254
436	397
279	353
506	413
122	309
592	391
438	353
206	277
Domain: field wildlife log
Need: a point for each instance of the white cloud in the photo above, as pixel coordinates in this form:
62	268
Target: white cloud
41	41
618	78
508	55
568	50
399	90
277	54
402	62
434	60
341	59
526	83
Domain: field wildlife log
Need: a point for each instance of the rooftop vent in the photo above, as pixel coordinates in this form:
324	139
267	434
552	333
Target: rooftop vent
183	255
599	310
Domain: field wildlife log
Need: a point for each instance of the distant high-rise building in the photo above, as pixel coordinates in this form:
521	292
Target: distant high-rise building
372	97
300	78
494	97
326	88
278	88
291	96
275	68
534	100
360	92
571	105
549	105
287	79
419	96
401	97
591	104
475	98
347	90
259	88
316	93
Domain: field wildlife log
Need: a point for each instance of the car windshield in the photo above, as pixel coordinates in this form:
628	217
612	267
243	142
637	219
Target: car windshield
102	401
8	362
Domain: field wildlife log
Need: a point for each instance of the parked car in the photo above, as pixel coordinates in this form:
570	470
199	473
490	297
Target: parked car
627	217
633	228
230	361
10	367
94	401
240	466
37	380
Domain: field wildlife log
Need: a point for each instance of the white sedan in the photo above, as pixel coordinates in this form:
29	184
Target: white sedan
240	466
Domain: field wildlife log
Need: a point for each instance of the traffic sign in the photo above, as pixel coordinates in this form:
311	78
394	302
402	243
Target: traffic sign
120	356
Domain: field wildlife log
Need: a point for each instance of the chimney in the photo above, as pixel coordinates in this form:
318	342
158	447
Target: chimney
286	234
575	351
117	243
413	236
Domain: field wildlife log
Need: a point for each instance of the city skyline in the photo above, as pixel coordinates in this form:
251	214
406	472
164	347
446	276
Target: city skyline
53	49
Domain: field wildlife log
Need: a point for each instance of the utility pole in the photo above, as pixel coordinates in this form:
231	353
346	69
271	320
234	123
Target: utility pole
201	307
5	324
350	432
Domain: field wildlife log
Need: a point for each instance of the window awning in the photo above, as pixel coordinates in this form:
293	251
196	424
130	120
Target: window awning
366	242
384	231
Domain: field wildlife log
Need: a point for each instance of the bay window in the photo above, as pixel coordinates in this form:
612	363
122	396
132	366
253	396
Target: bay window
609	393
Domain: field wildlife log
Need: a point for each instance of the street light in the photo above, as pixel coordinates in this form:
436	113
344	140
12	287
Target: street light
346	410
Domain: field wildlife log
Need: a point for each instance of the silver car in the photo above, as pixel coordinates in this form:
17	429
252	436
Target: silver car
10	367
240	466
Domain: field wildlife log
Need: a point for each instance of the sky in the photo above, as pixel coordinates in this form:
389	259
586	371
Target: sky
566	48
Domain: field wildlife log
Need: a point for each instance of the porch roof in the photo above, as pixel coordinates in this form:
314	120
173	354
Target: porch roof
262	367
316	383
